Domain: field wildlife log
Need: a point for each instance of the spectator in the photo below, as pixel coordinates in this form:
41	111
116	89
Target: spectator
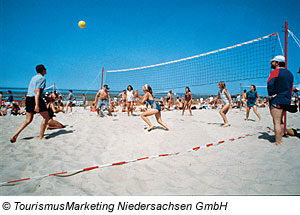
280	85
70	101
10	99
84	101
1	95
16	110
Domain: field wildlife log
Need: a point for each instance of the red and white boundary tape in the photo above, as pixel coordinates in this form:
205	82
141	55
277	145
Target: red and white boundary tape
128	161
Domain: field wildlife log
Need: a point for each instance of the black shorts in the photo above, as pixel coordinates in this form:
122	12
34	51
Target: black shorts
285	107
30	104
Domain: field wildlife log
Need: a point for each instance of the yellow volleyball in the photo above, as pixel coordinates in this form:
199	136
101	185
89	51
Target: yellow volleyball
81	24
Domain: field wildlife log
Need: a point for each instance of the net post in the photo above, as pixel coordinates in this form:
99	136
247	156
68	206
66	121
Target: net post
286	41
102	77
54	86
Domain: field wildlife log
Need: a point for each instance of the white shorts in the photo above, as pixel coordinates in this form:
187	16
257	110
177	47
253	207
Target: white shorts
130	98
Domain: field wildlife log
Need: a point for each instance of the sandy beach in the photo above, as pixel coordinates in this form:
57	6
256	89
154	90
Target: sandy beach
248	166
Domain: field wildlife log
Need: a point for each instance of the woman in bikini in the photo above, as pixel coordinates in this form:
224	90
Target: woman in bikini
225	97
155	108
53	124
123	100
187	100
169	99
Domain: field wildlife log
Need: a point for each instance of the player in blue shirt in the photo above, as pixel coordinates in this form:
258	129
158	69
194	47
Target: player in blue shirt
252	97
10	98
70	101
9	103
35	103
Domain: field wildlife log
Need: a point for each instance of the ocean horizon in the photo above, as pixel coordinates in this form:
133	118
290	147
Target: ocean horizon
20	92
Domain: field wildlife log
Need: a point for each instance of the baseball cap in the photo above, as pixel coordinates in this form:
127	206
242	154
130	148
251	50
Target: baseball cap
278	58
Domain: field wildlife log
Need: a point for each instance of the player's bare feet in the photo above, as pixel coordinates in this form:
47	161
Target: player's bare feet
150	128
13	139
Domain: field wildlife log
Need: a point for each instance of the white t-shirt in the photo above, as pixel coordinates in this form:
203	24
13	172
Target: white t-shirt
130	96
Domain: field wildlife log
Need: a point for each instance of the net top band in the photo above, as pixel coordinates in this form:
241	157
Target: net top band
196	56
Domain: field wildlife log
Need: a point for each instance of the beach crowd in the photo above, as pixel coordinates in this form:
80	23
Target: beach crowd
282	97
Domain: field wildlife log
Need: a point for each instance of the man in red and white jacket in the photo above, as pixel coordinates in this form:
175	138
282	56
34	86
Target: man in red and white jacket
280	86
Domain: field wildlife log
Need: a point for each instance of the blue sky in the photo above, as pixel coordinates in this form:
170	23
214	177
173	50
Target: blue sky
129	33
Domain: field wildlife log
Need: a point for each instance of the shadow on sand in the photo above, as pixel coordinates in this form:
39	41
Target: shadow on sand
57	133
156	128
52	135
271	138
27	138
266	136
215	123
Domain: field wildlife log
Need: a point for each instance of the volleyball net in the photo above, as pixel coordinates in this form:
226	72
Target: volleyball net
244	61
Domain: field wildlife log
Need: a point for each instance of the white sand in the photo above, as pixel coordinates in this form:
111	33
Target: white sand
249	166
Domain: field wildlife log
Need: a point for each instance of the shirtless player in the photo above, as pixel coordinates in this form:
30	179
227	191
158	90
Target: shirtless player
103	94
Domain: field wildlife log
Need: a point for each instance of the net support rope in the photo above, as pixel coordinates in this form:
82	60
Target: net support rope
294	37
280	45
